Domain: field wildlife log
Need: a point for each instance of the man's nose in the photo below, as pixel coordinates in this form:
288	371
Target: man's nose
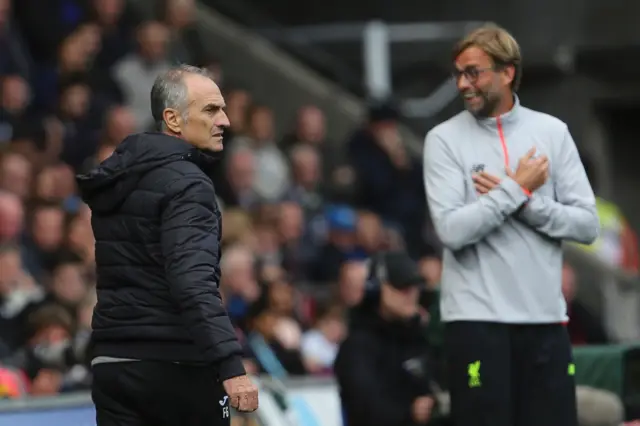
223	120
463	83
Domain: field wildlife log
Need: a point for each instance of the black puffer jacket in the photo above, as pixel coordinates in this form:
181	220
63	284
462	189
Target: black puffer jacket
157	228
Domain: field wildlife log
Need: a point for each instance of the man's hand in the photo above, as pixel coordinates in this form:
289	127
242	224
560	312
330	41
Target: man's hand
485	182
243	395
531	173
422	407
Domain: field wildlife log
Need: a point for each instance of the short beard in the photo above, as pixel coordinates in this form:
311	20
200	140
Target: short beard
489	105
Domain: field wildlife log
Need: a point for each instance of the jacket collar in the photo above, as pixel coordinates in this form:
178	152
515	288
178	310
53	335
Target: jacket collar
508	120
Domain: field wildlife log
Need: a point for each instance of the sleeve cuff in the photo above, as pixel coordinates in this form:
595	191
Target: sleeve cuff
515	191
230	367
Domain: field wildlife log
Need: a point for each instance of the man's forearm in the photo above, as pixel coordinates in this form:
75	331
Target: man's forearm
469	224
556	220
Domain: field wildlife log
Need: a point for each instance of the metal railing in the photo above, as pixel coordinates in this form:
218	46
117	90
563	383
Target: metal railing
377	38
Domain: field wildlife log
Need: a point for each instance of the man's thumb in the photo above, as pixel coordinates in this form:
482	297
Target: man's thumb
509	172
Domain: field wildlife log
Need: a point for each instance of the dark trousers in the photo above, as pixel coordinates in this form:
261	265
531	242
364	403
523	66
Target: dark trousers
143	393
510	375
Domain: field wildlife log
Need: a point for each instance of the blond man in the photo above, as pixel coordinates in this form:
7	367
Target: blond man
505	187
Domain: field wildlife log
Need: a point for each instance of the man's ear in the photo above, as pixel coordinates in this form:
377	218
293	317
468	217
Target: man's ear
173	120
508	74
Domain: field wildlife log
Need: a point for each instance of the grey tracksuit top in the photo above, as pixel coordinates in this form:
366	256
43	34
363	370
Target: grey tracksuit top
503	254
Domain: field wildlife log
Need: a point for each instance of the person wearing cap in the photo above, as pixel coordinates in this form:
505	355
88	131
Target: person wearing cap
341	221
382	367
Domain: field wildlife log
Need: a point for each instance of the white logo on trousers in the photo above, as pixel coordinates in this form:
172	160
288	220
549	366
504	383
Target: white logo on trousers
225	410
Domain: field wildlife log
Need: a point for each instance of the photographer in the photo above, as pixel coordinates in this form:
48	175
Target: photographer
382	367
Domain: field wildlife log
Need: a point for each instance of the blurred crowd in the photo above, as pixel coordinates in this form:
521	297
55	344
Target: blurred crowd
301	213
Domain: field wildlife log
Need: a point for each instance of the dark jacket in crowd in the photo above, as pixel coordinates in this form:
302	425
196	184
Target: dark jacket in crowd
382	367
157	228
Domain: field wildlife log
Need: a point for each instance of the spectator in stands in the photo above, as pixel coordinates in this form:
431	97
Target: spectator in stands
16	97
137	72
284	299
308	191
75	56
49	357
320	344
306	188
340	246
351	283
239	284
116	21
11	217
430	264
584	327
44	239
238	228
238	104
15	174
237	189
311	130
80	240
68	287
271	168
45	185
119	122
389	179
185	44
341	185
78	49
14	58
267	250
46	24
274	338
297	253
17	290
370	233
75	114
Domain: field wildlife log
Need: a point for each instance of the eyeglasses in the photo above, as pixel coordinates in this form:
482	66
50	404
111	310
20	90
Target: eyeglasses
470	73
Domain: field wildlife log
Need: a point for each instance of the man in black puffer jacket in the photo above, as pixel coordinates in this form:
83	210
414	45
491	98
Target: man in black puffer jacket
164	350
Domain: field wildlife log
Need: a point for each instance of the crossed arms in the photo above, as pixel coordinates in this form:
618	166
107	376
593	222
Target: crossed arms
571	216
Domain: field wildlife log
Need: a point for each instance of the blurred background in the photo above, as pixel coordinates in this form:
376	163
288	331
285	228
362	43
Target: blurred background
329	103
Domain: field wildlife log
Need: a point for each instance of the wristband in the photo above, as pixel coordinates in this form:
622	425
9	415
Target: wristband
526	191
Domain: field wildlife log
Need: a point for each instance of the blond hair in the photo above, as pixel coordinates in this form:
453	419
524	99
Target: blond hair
236	224
499	44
